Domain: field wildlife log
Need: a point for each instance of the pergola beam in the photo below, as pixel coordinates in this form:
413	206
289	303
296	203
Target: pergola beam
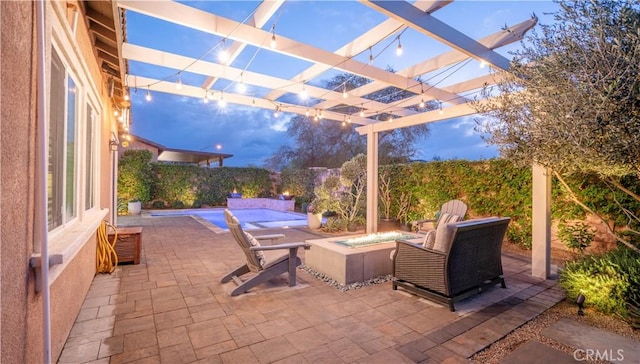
429	25
210	23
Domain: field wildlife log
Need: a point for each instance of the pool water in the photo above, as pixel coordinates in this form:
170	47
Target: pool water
251	219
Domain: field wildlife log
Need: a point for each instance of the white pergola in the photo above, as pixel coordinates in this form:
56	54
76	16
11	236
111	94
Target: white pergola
399	16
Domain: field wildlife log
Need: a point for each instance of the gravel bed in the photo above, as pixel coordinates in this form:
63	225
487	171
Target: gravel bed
532	331
345	287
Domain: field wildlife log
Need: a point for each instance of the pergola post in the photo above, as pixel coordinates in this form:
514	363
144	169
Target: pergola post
372	180
541	216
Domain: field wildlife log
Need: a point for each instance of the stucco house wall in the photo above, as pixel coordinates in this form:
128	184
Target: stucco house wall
20	304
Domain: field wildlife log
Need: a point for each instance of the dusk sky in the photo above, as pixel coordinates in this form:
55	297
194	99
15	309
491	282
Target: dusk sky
254	134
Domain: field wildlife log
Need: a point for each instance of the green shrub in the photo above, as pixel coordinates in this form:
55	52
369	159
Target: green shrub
577	236
197	204
177	204
609	281
158	204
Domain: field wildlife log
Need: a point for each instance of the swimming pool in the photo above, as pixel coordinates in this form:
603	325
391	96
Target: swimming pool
251	218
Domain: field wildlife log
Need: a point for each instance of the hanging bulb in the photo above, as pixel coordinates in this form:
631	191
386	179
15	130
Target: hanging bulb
320	115
277	112
483	63
303	94
422	103
273	37
422	98
179	82
307	113
223	55
441	111
148	97
115	112
349	120
126	96
344	92
344	123
390	119
206	97
222	102
399	49
361	110
370	56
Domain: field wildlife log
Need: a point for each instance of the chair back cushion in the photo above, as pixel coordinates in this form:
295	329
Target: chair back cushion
253	242
429	239
444	233
255	259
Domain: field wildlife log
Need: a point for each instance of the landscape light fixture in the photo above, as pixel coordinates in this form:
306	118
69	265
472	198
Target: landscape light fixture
580	302
114	142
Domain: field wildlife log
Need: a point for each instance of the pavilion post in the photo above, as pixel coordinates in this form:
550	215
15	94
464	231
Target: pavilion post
541	216
372	180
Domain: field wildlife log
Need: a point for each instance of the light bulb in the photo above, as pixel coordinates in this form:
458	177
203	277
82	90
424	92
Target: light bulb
179	84
273	40
349	120
218	146
115	112
422	103
241	87
362	113
148	97
222	103
206	97
399	49
344	123
126	96
303	94
344	93
390	119
307	113
276	113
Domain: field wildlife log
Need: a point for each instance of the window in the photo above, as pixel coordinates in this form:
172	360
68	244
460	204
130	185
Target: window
62	193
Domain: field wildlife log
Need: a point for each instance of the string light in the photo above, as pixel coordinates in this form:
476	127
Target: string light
399	49
349	119
307	113
273	37
179	81
422	98
303	94
115	112
361	110
483	63
344	91
148	97
390	119
205	99
370	56
441	111
277	112
422	103
240	86
223	55
222	102
126	96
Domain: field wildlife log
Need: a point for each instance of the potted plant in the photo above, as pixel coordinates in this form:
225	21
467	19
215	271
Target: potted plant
135	206
314	217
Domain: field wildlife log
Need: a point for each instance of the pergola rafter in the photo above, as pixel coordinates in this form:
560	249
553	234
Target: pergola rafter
400	16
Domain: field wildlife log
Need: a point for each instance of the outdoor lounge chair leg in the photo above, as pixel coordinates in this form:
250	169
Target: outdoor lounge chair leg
451	308
236	272
502	284
293	254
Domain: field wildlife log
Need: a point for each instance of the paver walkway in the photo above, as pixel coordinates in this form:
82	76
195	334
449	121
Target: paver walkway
171	308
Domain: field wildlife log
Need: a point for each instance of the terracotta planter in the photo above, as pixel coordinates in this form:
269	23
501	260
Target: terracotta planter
314	221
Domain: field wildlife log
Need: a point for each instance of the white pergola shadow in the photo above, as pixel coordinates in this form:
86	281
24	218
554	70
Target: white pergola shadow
399	15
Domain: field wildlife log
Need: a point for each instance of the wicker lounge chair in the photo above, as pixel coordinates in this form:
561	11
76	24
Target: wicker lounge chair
469	261
453	207
264	267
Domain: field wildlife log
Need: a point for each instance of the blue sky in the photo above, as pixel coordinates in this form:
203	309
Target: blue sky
253	134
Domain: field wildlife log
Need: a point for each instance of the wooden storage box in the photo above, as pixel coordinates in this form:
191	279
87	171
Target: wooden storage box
128	244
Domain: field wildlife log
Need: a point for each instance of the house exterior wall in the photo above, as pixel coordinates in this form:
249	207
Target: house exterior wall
21	310
138	145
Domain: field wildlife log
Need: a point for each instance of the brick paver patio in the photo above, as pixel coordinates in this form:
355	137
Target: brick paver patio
171	308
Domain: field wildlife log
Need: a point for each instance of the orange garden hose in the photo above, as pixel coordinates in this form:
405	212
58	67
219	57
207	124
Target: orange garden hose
106	257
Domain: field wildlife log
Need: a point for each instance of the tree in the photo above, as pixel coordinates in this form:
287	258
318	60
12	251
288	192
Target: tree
572	99
328	143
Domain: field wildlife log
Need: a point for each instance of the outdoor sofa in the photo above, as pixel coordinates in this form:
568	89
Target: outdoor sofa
465	258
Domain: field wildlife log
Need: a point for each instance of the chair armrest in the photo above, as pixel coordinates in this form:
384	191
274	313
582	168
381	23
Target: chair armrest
420	266
270	237
417	225
282	246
